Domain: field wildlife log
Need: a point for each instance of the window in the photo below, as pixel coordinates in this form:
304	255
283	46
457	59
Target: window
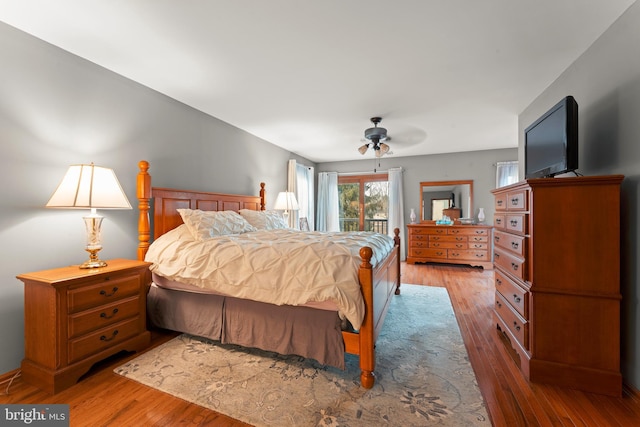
506	173
364	202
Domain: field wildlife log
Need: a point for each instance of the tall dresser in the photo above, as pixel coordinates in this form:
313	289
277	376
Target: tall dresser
453	244
557	279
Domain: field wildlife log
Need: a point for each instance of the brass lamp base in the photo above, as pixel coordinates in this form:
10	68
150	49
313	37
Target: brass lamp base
93	261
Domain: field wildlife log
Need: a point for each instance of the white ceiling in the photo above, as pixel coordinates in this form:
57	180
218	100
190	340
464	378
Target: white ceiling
445	76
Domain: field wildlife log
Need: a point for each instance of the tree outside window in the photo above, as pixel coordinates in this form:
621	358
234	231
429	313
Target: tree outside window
364	202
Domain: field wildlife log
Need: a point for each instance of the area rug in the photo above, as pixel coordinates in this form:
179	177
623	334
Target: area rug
424	377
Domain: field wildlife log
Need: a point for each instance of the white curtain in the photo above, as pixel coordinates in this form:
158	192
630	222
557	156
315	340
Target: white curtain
328	203
396	207
300	182
506	173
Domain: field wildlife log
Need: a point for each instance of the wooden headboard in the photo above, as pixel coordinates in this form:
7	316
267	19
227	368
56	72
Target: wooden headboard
167	201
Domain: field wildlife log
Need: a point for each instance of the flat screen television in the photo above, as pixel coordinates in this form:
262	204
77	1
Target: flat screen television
551	142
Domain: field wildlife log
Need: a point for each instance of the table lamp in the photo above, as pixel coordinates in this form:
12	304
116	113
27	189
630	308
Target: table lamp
90	187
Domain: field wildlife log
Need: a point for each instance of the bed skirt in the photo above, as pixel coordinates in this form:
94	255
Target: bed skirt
308	332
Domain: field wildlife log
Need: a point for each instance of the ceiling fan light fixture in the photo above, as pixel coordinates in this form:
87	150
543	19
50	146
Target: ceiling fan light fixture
384	148
363	149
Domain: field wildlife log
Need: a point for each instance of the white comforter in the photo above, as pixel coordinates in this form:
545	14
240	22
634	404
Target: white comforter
273	266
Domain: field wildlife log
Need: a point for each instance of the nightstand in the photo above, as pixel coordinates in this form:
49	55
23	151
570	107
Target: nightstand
76	317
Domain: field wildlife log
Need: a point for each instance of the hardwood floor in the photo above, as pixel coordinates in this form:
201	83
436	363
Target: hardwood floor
103	398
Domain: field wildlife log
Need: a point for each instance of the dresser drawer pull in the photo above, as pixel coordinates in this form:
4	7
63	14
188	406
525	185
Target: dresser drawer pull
479	255
514	245
516	326
436	245
459	245
516	298
514	266
460	239
499	304
496	255
106	316
496	239
515	201
479	231
514	222
113	335
498	282
113	291
499	202
439	253
498	221
455	231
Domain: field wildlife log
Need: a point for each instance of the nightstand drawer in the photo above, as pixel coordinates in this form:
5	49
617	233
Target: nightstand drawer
109	289
101	339
100	317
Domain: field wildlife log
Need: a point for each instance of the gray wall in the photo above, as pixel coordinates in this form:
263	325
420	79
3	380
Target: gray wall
605	81
57	109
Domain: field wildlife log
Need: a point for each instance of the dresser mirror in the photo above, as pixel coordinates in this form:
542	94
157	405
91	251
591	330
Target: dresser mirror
455	198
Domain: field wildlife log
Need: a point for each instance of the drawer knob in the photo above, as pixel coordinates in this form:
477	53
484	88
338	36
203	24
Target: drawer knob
499	304
514	222
516	298
113	291
439	253
499	202
514	202
496	255
496	239
516	326
107	316
113	335
514	266
498	221
514	245
498	282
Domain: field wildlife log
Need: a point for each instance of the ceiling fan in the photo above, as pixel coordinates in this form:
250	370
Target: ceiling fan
376	135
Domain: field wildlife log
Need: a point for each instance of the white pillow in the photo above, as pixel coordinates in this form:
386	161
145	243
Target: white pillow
207	224
264	220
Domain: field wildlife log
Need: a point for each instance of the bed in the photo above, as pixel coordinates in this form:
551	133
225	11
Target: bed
315	331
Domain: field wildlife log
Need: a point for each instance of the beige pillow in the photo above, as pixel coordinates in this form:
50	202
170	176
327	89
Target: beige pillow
264	220
207	224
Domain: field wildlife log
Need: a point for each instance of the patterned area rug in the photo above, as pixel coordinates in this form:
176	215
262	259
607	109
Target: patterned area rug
423	373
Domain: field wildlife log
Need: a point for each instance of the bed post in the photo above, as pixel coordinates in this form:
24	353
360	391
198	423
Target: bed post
263	195
367	329
143	192
396	240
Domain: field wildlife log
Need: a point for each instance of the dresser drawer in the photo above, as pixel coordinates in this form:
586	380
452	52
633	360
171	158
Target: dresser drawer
416	231
464	231
514	294
419	243
511	242
428	253
449	245
499	221
101	339
517	200
469	255
96	318
447	238
510	263
500	202
110	289
517	223
518	326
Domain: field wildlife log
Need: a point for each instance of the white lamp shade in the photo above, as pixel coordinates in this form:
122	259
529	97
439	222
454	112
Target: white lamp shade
286	201
89	187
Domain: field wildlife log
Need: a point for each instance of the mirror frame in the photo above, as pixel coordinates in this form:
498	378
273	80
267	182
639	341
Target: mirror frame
425	184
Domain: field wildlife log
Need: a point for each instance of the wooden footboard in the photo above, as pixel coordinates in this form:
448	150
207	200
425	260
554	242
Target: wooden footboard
378	284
